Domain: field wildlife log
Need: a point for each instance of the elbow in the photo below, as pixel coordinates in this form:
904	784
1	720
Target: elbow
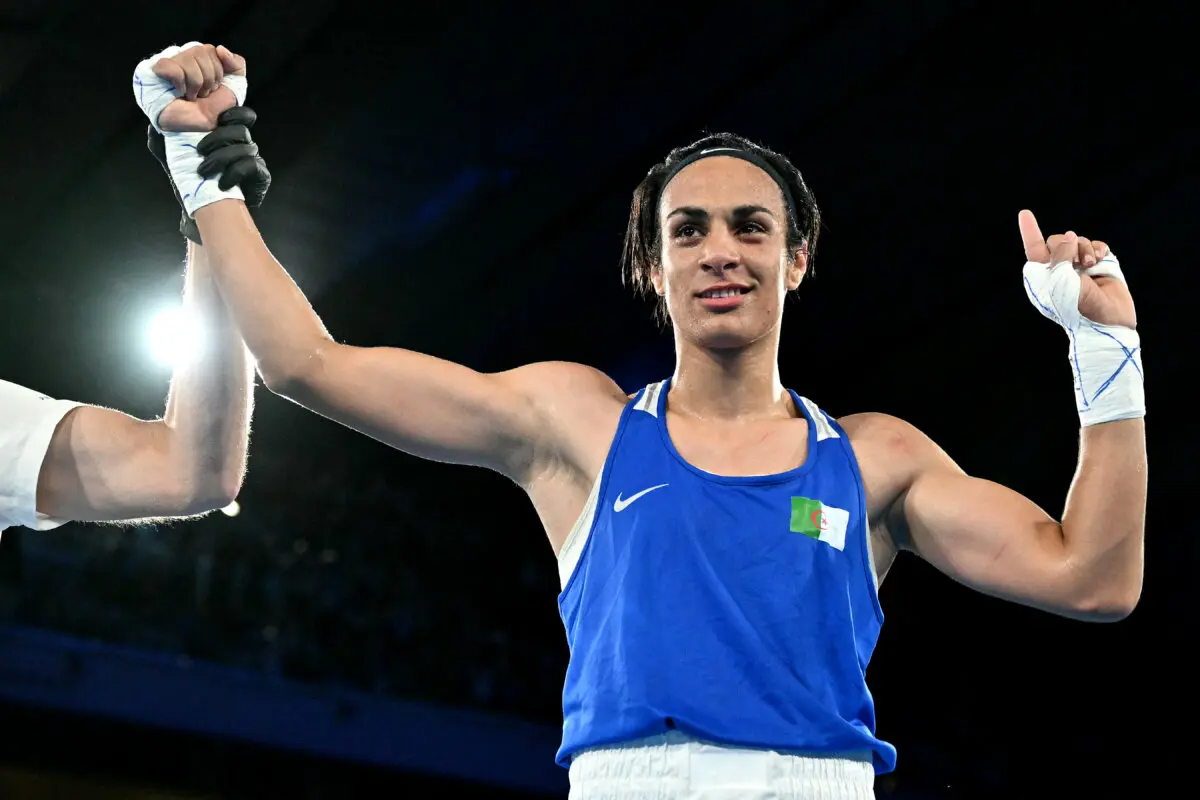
206	495
198	488
225	491
1112	605
1107	612
279	381
1125	604
288	378
203	503
218	488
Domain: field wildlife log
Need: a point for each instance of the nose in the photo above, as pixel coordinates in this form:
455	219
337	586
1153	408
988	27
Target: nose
720	252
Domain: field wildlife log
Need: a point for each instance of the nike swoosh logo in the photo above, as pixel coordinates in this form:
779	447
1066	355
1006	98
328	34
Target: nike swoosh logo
620	505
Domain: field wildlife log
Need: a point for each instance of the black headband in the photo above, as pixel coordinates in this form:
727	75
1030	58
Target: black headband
744	155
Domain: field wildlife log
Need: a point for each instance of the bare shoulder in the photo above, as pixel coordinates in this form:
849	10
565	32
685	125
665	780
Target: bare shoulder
882	435
563	387
557	374
580	407
891	453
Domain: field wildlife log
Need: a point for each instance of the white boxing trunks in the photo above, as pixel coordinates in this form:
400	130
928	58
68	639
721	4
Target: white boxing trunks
674	766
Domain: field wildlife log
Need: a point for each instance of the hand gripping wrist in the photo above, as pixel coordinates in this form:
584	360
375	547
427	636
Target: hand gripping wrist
183	160
153	95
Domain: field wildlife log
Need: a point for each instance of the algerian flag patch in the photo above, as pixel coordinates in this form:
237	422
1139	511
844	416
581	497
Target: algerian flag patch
823	523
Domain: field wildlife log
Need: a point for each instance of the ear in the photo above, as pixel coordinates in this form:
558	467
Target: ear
797	269
656	278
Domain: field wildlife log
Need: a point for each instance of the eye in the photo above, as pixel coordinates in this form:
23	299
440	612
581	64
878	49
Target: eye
752	228
688	230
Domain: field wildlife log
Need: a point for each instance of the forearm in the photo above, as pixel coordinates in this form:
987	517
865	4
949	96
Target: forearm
279	326
210	400
1103	524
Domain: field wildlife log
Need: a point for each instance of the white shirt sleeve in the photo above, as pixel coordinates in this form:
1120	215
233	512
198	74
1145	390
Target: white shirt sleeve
27	423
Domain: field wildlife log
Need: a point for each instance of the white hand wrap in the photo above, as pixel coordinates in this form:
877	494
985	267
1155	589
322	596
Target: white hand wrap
1106	360
153	94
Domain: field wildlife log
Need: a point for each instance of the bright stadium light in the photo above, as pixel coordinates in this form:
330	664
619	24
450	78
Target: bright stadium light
232	510
175	337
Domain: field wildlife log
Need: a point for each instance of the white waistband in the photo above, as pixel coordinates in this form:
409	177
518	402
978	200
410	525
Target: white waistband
677	766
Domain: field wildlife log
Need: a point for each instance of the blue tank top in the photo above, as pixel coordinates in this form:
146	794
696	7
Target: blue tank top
738	610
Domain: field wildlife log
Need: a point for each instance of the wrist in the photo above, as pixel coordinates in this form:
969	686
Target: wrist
1106	361
183	160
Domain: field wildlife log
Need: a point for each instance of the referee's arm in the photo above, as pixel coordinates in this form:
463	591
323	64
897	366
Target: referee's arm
103	465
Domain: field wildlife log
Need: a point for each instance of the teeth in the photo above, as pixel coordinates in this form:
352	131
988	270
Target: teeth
723	293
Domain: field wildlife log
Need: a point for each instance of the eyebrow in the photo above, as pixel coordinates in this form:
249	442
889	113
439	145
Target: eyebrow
739	213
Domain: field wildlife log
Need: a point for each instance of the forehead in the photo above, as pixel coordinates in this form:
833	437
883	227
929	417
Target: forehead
721	182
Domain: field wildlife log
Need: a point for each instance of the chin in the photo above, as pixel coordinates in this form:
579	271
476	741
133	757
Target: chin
725	332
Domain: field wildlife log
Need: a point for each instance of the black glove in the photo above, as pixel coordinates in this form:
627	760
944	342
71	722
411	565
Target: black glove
230	153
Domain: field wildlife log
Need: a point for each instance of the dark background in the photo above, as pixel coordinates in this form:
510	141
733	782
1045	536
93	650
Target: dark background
456	181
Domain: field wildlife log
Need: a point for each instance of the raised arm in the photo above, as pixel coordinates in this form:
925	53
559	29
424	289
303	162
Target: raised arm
1089	564
419	404
105	465
422	405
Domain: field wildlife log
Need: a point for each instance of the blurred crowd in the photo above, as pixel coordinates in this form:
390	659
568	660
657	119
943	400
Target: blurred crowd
353	577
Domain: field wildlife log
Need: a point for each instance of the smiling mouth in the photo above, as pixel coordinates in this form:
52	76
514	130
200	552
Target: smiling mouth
716	294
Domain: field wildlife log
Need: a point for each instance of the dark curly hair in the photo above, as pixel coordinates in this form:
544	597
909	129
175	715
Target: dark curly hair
643	241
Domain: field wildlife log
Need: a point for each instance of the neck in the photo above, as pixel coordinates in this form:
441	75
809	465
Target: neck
735	384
